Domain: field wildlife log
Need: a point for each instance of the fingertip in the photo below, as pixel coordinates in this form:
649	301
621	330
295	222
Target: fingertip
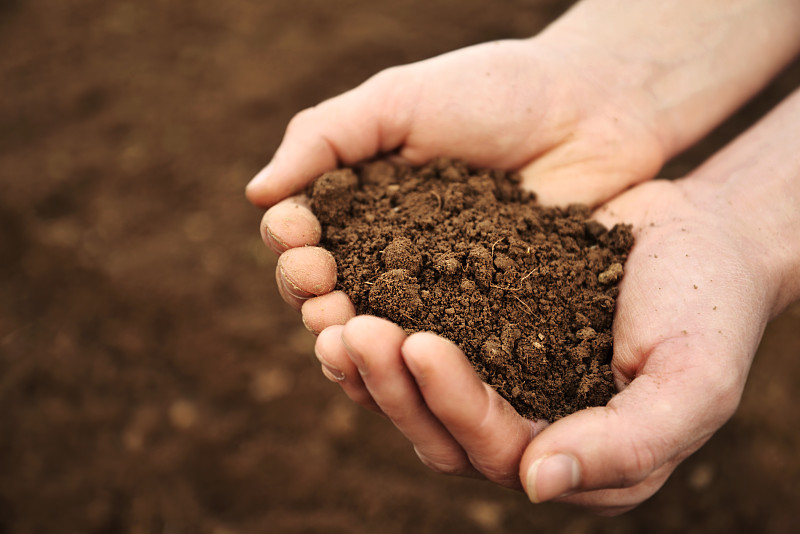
330	336
256	188
304	155
332	374
554	464
424	340
422	350
552	476
370	340
337	367
289	224
309	269
368	327
342	129
373	345
320	313
303	273
330	354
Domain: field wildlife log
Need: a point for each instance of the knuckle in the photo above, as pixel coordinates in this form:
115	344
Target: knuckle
386	76
300	120
635	464
643	461
398	412
442	466
635	455
725	390
502	476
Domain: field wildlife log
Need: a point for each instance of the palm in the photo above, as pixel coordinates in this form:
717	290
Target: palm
510	105
681	354
687	279
682	348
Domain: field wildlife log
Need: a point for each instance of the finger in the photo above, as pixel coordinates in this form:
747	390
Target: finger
337	367
679	400
373	345
305	272
348	128
290	224
334	308
611	502
492	433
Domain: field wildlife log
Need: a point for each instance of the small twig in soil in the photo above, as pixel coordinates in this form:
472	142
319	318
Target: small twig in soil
530	311
525	277
495	244
438	200
505	288
509	288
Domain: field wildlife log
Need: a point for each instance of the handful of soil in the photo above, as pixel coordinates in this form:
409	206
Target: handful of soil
526	291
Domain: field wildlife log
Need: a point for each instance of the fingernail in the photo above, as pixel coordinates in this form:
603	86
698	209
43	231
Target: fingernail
273	241
293	289
260	178
308	326
332	374
551	477
355	357
330	371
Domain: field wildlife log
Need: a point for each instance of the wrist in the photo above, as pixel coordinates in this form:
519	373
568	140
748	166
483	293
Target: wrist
753	186
619	84
614	117
768	231
683	66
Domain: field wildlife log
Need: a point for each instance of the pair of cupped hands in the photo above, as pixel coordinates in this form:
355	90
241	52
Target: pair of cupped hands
697	292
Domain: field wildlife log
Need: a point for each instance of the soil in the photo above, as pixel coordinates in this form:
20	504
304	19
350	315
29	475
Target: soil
527	292
152	380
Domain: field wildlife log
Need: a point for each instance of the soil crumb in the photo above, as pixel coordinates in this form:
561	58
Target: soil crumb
526	291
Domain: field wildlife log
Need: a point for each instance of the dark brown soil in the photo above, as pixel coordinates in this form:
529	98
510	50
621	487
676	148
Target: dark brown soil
526	291
151	379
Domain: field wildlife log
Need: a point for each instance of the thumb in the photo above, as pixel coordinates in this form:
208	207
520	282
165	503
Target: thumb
665	414
348	128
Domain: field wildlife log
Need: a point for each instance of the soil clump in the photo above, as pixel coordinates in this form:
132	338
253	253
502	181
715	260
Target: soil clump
526	291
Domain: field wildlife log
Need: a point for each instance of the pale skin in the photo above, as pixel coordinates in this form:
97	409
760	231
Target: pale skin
584	111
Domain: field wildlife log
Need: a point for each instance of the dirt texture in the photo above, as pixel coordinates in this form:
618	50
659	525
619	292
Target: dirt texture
151	378
526	291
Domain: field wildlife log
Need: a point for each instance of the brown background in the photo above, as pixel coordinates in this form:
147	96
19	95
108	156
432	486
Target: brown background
151	380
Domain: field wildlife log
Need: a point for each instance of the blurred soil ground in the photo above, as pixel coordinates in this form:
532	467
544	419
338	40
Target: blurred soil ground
151	381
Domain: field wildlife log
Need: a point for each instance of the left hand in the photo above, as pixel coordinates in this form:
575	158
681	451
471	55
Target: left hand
691	310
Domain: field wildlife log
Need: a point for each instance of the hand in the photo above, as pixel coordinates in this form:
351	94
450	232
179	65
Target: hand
682	350
595	103
552	111
517	104
583	111
600	129
701	282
